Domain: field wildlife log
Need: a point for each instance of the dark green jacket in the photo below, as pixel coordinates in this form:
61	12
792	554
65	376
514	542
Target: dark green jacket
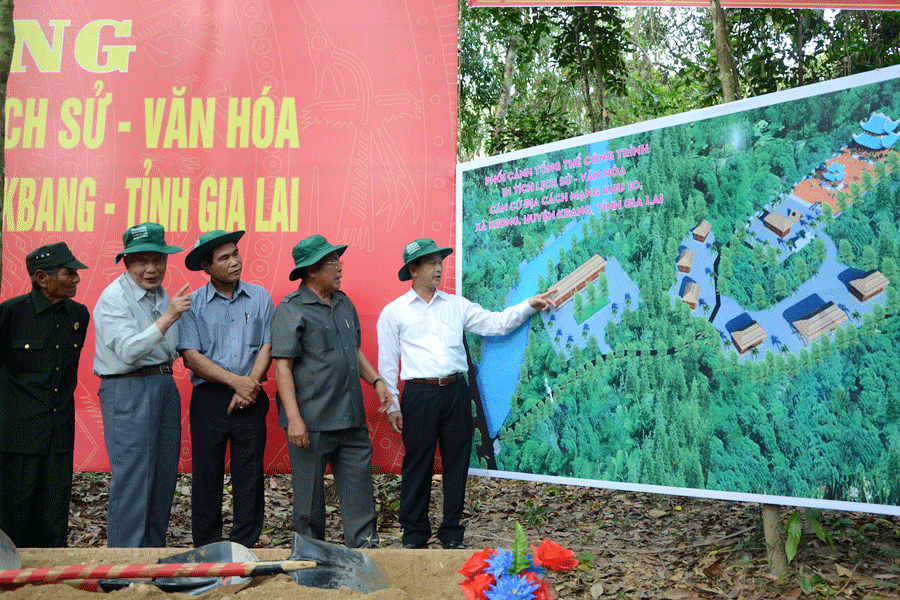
40	345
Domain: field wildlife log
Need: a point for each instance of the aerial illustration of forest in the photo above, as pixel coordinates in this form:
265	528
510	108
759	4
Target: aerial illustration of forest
726	303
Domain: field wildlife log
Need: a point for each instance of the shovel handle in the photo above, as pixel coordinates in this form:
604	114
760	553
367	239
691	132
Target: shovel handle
249	569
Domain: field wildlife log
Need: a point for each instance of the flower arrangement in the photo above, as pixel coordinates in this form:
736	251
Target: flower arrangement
500	574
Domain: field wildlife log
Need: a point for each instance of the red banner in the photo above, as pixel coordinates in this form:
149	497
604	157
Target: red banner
283	119
833	4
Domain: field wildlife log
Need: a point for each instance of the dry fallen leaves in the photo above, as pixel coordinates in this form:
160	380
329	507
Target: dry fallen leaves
630	545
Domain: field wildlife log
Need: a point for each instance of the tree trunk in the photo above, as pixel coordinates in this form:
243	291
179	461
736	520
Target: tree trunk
724	56
798	42
7	41
774	541
506	89
848	61
585	78
598	72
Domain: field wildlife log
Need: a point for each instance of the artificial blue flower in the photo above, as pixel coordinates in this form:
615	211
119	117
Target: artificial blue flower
500	563
539	571
511	587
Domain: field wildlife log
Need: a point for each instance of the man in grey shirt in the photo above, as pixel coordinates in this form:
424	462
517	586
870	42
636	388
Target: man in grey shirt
225	340
318	365
134	348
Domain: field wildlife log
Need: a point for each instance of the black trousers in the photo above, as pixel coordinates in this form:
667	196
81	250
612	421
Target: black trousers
434	416
35	490
212	428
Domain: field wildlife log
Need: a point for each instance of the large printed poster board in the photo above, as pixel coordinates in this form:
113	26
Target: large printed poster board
280	118
726	300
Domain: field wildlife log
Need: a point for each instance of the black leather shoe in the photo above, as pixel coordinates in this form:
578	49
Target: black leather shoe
454	545
412	547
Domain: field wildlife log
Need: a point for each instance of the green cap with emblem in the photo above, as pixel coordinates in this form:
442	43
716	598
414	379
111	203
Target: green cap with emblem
417	249
146	237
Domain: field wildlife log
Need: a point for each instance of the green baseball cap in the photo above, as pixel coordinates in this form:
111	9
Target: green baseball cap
146	237
309	251
417	249
52	256
207	242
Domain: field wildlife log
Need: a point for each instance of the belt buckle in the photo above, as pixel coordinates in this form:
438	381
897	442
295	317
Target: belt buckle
448	379
166	369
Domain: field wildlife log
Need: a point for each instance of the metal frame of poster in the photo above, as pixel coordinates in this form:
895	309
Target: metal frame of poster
725	299
789	4
284	119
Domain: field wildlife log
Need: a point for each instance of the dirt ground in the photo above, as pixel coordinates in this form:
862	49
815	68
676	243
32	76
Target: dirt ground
634	546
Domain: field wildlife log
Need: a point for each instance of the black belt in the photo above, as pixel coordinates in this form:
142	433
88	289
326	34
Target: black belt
441	381
163	369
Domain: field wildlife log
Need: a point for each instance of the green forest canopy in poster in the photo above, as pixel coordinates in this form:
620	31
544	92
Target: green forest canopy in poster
727	304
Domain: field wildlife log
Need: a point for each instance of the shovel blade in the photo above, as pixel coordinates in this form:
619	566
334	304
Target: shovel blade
9	554
218	552
336	566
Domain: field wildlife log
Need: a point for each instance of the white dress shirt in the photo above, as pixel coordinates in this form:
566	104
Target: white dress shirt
126	335
426	338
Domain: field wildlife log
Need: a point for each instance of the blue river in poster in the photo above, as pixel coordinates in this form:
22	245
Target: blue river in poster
502	356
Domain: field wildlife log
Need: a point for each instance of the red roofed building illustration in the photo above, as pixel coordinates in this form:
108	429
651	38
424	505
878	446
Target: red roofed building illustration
748	338
685	260
691	294
702	230
564	289
868	286
819	321
778	224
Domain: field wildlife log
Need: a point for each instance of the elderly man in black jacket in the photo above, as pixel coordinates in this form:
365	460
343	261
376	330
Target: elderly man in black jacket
41	338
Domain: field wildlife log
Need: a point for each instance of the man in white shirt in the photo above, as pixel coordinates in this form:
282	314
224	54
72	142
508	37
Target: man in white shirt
422	330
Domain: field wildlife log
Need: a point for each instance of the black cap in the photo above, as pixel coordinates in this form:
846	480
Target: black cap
52	256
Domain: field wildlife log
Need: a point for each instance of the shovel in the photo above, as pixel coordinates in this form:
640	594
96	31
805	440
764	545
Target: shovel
216	552
336	566
226	551
141	571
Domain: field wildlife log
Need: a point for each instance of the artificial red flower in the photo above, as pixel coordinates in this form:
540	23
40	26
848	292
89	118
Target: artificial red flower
553	556
476	563
474	588
468	589
543	590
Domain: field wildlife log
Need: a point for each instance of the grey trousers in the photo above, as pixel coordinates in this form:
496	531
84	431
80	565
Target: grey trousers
349	453
142	431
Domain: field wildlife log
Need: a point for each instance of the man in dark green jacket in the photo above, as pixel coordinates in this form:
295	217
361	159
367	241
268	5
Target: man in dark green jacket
41	337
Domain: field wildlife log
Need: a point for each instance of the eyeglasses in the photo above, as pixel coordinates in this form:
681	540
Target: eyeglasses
333	263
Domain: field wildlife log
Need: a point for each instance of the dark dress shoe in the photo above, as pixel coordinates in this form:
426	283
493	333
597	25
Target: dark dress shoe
413	546
454	545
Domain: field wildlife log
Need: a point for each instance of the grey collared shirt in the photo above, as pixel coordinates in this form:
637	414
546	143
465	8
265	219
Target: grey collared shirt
228	331
323	341
126	335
